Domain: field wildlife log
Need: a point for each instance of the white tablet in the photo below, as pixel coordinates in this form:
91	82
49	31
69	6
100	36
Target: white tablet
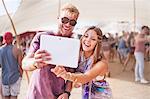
64	51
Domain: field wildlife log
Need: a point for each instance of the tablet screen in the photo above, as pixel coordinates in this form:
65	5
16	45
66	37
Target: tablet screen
64	51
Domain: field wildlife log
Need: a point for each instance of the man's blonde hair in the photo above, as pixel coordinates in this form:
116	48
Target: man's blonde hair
69	8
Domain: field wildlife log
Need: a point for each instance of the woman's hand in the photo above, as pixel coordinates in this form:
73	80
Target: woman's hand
41	58
60	72
77	85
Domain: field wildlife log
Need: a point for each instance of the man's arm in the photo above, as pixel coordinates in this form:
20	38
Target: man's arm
19	56
36	60
68	87
28	62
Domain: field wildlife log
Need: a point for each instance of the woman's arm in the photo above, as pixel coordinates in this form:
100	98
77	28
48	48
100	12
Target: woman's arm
100	68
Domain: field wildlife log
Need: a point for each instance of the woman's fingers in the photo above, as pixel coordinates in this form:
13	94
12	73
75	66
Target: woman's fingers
59	71
55	70
77	85
62	74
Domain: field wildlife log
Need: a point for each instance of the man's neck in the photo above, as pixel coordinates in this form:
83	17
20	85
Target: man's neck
61	34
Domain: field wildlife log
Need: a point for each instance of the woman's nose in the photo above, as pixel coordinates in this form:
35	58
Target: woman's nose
88	39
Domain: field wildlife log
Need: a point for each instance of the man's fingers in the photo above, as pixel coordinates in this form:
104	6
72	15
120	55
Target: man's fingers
41	55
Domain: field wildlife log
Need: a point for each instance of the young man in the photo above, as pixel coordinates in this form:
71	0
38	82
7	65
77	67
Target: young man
1	43
140	41
44	84
10	60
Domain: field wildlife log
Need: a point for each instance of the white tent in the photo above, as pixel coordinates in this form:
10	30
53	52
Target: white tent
42	14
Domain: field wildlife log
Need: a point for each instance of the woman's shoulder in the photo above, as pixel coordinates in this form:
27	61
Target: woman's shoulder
101	64
101	67
102	61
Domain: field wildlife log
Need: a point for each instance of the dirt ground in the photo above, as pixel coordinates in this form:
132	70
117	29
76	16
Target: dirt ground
121	82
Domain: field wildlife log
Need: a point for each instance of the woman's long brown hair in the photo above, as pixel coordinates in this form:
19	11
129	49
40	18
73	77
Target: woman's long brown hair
97	50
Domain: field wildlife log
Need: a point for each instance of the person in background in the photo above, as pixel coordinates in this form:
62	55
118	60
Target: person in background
122	47
92	67
10	60
112	42
106	48
1	43
140	41
147	47
44	84
130	48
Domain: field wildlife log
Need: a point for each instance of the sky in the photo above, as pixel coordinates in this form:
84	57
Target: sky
11	6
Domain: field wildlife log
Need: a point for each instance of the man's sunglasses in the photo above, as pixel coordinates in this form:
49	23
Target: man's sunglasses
65	20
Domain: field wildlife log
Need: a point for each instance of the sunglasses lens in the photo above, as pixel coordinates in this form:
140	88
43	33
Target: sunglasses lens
73	22
65	20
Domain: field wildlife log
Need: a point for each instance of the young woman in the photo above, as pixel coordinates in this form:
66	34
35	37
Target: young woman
92	67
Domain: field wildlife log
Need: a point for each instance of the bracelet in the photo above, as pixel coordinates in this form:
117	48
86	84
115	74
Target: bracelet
67	92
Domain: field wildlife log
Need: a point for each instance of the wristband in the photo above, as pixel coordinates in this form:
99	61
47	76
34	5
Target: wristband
67	92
